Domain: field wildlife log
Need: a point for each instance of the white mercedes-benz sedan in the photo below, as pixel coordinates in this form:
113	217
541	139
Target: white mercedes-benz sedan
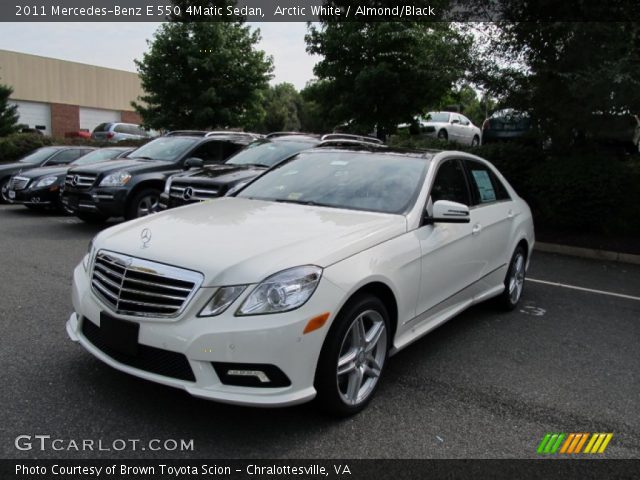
307	280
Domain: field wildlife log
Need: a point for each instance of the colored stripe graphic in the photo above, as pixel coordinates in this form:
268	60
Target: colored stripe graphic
550	443
572	443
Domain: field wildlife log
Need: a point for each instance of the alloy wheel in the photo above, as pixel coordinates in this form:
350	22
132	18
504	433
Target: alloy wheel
147	205
516	281
361	357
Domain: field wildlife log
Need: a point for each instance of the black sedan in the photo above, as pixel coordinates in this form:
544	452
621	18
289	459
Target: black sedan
46	156
40	187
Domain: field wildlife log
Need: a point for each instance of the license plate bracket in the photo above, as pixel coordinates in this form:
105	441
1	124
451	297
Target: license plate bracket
119	335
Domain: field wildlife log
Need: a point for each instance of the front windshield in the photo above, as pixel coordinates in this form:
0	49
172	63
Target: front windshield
267	153
440	117
97	156
38	156
167	149
351	180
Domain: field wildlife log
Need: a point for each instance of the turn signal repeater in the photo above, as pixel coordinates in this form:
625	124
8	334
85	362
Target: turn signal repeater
316	322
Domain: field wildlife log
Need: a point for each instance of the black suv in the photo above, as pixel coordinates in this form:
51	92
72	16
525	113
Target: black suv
214	181
130	188
220	180
46	156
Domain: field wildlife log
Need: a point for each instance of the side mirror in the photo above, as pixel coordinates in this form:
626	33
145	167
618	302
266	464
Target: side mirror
193	162
445	211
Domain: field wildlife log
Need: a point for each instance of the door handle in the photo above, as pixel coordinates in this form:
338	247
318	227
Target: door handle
477	228
510	214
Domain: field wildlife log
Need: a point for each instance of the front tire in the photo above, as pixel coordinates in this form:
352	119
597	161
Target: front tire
476	141
144	203
4	187
353	357
443	135
514	281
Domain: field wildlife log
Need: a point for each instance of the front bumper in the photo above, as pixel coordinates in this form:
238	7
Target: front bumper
35	196
108	202
276	340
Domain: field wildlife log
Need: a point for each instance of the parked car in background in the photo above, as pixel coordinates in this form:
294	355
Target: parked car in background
131	188
117	132
46	156
82	133
506	125
449	126
41	187
304	282
207	182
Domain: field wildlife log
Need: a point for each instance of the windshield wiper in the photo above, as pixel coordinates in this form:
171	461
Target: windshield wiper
140	158
309	203
248	165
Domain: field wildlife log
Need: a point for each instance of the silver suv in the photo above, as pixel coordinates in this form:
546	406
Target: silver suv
117	132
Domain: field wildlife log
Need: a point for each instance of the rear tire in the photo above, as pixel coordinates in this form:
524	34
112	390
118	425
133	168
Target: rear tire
144	203
476	141
514	281
353	357
443	135
92	218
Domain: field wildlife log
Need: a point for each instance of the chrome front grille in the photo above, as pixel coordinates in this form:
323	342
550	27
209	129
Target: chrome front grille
194	194
79	180
18	183
139	287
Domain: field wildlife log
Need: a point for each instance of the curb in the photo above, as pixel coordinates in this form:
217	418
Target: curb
587	253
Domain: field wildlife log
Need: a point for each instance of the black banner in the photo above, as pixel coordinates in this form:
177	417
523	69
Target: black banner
312	10
318	469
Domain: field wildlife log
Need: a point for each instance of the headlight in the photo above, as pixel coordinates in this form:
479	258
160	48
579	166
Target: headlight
221	300
45	182
117	179
282	292
167	186
86	261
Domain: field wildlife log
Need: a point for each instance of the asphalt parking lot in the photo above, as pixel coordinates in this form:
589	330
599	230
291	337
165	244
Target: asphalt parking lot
484	385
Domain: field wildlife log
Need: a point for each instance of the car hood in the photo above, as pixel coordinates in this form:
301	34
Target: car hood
220	174
123	164
241	241
14	167
45	172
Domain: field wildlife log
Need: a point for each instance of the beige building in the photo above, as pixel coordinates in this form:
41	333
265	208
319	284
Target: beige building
60	97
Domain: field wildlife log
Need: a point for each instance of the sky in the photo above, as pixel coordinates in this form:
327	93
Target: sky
116	45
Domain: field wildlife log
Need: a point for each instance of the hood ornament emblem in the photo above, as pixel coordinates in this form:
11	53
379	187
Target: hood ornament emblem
145	236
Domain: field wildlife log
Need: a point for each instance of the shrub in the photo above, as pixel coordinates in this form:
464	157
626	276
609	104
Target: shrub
594	192
18	145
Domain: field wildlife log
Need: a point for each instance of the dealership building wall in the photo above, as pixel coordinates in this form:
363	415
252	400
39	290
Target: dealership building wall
58	96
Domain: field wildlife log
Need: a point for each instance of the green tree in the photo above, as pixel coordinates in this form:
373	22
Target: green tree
203	75
566	74
380	74
8	112
282	108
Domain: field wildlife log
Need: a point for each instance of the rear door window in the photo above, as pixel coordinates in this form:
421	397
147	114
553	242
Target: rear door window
486	187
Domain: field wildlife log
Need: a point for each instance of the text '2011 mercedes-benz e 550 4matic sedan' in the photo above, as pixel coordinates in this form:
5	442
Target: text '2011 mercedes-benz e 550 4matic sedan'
303	283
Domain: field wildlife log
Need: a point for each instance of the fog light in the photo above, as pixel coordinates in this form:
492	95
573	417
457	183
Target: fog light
260	375
250	373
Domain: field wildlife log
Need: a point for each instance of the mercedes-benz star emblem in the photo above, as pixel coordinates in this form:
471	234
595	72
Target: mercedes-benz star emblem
145	236
188	193
75	180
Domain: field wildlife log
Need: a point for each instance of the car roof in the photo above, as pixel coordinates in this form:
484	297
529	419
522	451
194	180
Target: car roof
294	138
372	148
